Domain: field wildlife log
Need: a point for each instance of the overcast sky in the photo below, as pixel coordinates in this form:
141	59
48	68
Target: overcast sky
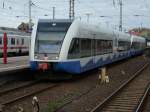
13	12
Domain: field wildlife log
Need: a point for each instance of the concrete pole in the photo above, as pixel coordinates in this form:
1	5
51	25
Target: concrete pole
30	26
120	24
5	48
53	13
71	9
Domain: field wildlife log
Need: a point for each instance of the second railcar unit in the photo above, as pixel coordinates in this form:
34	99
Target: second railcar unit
76	47
17	44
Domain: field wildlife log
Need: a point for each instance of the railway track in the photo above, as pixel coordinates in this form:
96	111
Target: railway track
74	99
28	95
18	87
14	75
146	102
12	98
130	96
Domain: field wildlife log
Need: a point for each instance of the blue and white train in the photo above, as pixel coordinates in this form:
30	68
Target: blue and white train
76	47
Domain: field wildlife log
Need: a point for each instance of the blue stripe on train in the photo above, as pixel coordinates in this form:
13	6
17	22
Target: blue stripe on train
116	57
75	66
33	65
70	67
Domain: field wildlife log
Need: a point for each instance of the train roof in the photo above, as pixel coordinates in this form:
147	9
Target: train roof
56	20
9	32
94	28
105	30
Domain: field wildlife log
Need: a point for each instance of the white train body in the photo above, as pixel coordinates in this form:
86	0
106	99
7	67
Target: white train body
17	44
76	47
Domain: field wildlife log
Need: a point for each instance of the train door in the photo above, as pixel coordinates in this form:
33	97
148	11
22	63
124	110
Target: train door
115	42
93	46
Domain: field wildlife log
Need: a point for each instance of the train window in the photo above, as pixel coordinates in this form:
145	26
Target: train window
123	45
141	45
80	48
1	40
93	47
12	41
103	46
50	37
74	49
109	46
99	47
22	41
85	48
17	41
53	26
135	45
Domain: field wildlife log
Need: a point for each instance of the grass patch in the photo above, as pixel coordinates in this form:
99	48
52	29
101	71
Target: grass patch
53	106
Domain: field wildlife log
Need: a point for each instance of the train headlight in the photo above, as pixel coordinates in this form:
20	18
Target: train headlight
35	56
56	57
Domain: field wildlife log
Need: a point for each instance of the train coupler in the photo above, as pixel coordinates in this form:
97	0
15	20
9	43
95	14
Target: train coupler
43	66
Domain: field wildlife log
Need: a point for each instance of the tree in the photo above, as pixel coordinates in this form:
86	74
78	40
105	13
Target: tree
24	27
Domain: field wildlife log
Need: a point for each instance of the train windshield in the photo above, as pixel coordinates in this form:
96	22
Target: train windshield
50	37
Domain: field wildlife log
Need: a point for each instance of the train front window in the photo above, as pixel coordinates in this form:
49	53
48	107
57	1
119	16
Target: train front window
50	36
49	42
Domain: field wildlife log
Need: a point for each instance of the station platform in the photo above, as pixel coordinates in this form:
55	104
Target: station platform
14	63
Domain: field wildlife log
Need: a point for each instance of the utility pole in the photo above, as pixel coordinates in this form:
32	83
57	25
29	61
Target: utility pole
71	9
30	26
140	26
53	13
120	23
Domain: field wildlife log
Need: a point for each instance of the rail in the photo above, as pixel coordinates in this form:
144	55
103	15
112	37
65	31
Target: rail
101	105
141	103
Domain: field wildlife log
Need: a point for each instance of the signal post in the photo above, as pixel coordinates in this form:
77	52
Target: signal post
5	48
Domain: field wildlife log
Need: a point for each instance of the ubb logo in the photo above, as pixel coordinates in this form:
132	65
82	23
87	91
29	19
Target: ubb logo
53	24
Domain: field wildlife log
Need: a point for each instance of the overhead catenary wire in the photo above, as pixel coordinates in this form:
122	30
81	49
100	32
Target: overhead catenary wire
44	7
147	5
15	3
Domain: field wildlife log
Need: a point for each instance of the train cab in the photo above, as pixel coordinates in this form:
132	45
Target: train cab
48	37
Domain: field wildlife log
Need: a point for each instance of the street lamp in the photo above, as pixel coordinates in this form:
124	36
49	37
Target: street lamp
88	16
106	22
136	15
